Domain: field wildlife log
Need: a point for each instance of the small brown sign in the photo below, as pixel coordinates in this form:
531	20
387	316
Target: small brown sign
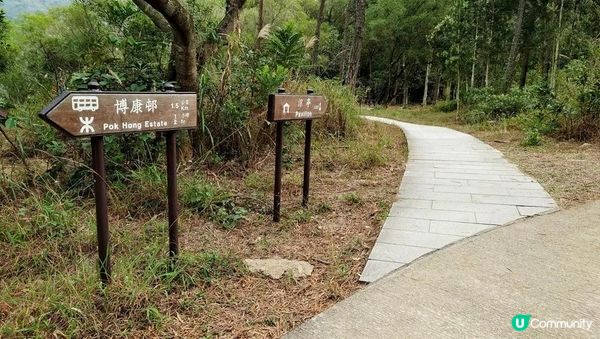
284	107
101	113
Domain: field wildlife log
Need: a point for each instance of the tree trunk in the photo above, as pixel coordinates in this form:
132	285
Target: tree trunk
226	26
436	95
448	90
557	47
514	49
346	37
181	22
174	16
315	52
458	91
487	72
404	82
474	54
351	77
426	90
261	15
525	67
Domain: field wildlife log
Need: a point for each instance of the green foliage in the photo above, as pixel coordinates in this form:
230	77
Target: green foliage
301	216
206	198
52	216
487	105
3	29
352	198
446	106
532	137
343	113
190	270
579	90
149	195
286	47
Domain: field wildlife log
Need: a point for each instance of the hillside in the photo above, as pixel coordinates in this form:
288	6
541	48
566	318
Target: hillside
14	8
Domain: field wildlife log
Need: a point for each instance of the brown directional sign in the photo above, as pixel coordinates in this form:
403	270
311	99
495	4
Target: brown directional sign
284	107
95	113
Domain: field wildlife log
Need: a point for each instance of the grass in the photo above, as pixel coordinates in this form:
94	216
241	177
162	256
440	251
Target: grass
48	279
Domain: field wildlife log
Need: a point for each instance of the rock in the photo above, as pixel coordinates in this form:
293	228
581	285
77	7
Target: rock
277	267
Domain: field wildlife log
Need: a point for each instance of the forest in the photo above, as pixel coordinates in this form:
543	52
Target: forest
532	66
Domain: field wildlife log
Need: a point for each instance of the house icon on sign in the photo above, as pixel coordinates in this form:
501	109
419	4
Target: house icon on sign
286	108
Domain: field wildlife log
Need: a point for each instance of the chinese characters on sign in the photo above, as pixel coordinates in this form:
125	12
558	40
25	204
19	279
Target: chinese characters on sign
101	113
284	107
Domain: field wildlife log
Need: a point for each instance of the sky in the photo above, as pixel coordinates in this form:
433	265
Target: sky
14	8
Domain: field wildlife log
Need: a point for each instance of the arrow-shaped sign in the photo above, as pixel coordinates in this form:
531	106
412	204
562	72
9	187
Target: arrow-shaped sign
284	107
95	113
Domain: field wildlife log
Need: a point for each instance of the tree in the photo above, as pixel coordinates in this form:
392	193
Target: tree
3	29
173	15
351	76
315	52
557	46
514	48
261	15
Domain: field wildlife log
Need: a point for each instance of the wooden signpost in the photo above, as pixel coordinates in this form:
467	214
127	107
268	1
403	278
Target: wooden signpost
94	114
284	107
89	114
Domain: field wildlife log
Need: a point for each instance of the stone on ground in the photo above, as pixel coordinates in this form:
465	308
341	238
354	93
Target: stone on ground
276	267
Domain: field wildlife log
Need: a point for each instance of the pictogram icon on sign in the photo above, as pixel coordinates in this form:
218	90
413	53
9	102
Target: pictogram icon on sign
87	125
82	103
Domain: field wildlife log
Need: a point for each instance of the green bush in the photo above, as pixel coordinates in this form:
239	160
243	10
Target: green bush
487	105
206	198
498	106
446	106
532	137
343	111
578	88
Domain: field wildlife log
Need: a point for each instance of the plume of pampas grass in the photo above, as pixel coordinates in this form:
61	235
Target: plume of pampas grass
311	42
265	32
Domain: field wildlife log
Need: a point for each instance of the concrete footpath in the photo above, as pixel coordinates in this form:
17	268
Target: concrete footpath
454	186
547	266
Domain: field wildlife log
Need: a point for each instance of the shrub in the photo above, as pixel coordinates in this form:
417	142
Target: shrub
503	105
343	112
543	121
204	197
532	137
446	106
578	87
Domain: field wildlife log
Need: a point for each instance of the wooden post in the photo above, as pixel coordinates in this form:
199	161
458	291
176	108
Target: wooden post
278	160
102	233
173	208
307	147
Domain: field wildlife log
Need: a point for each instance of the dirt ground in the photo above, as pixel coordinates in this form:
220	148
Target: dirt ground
353	185
48	288
352	188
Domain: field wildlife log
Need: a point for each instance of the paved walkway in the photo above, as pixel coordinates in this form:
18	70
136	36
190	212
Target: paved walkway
545	266
454	186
